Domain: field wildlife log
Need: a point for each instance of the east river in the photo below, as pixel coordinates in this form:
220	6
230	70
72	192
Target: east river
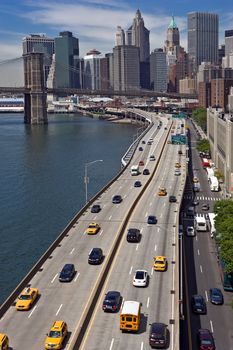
42	182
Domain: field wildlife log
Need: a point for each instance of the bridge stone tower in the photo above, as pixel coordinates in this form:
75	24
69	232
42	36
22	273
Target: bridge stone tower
35	110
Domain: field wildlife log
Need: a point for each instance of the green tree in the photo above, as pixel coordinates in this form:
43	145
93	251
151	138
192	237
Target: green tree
200	117
203	146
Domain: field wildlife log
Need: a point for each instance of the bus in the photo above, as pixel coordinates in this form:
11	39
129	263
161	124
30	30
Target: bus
205	163
200	223
130	316
212	224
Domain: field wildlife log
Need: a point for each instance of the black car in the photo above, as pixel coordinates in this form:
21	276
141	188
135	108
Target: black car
112	301
216	296
95	256
179	152
140	149
205	206
137	184
116	199
151	220
95	208
143	142
146	172
172	199
158	337
133	235
205	340
198	304
67	273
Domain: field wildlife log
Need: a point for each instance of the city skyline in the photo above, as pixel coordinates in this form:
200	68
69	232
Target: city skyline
95	22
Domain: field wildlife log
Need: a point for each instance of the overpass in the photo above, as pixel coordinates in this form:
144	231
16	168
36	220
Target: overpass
35	92
79	302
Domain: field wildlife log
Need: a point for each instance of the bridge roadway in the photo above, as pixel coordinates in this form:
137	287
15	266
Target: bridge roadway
27	330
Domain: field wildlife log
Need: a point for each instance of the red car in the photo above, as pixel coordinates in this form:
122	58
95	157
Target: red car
141	163
205	340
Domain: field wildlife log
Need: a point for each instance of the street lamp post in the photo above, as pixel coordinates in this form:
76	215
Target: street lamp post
86	178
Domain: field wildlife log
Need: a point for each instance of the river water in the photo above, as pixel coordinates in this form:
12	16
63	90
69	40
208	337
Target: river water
42	182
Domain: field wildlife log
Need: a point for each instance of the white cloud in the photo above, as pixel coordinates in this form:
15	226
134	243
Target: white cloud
10	51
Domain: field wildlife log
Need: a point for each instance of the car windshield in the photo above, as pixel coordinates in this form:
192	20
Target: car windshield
206	342
25	297
92	226
54	334
110	298
139	275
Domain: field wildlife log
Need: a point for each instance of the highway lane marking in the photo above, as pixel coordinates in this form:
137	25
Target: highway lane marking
104	205
137	247
206	295
59	309
54	278
125	196
110	217
148	302
211	326
120	187
196	238
142	229
131	269
111	345
164	204
142	344
32	311
146	215
201	268
155	247
122	303
198	252
71	252
150	204
95	217
131	187
77	277
101	232
152	271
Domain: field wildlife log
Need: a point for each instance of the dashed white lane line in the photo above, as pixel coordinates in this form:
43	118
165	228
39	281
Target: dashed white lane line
110	217
32	311
152	271
198	252
158	229
201	269
196	238
146	215
59	309
131	187
211	326
95	217
101	231
137	247
71	252
142	345
125	196
155	247
164	204
120	187
77	276
142	229
206	295
150	204
111	345
131	269
104	205
54	278
148	302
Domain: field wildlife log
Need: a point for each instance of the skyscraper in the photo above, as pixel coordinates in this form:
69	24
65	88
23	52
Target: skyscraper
67	72
120	36
228	42
126	67
138	35
203	37
158	70
92	76
42	44
173	37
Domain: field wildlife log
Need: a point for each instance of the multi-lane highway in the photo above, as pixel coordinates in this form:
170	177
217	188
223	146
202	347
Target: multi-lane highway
69	301
201	270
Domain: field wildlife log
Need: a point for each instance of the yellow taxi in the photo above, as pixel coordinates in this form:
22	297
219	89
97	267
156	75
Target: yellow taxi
4	342
27	298
162	191
93	228
177	165
160	263
56	336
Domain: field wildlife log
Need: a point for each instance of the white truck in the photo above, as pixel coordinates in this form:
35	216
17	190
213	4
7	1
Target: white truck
214	184
134	170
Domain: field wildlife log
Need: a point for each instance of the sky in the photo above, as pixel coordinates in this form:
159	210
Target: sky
94	22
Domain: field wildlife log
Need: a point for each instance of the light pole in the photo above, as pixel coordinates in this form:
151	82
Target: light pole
86	178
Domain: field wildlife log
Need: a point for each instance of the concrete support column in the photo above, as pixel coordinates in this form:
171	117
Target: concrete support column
35	110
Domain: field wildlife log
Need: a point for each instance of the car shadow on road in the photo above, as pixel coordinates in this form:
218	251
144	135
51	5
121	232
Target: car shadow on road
143	323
